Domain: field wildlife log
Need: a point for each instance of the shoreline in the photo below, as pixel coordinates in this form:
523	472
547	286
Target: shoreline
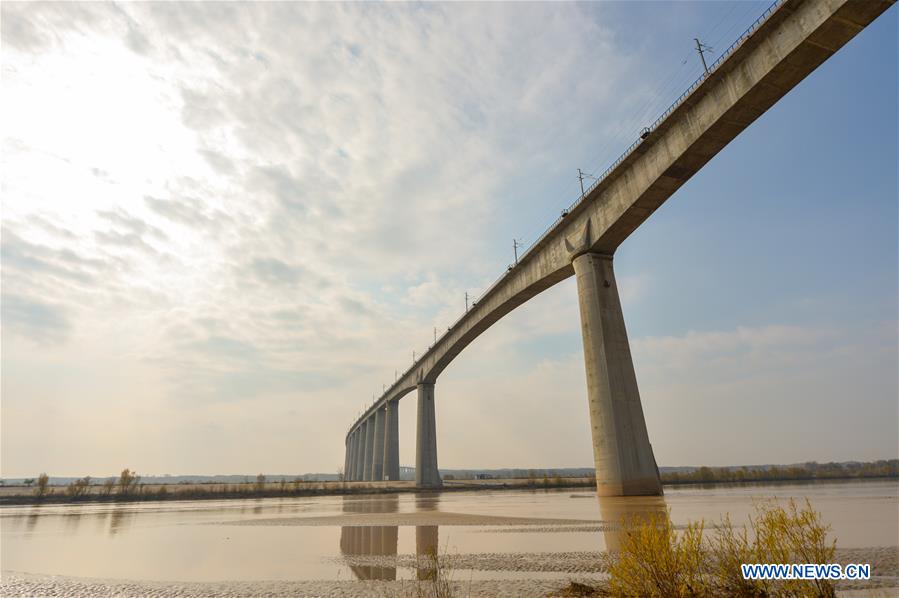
531	575
194	492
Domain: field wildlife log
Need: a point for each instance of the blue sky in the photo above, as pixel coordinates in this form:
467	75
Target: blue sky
224	227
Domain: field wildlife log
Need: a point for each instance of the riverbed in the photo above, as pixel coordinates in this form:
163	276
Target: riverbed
504	542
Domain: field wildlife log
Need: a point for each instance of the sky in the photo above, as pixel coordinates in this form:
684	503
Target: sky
226	225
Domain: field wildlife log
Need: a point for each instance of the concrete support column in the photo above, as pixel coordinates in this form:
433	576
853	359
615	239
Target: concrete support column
360	452
369	445
346	458
392	441
352	453
354	462
377	467
426	473
625	465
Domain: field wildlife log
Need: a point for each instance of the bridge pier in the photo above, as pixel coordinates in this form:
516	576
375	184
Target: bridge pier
369	447
346	458
348	474
625	465
377	467
360	452
426	473
392	441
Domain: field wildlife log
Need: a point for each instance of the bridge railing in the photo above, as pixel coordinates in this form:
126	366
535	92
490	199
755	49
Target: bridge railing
747	33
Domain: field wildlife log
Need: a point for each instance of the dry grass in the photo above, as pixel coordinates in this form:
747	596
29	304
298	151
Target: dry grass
435	574
655	560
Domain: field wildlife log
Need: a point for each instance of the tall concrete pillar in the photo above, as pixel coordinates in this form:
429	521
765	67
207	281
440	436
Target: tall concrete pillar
359	452
356	461
392	441
426	473
369	445
346	458
351	447
360	468
354	454
625	465
377	466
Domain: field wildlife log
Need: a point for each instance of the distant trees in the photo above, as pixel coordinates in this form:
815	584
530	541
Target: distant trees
79	487
128	480
107	487
43	481
260	482
808	471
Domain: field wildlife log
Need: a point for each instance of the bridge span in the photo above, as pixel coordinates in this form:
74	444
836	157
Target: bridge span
787	43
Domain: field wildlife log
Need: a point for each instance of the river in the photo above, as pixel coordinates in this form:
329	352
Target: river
346	538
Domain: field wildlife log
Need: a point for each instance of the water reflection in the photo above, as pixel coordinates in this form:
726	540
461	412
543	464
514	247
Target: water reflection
31	520
426	543
614	510
72	520
427	501
120	520
382	540
370	540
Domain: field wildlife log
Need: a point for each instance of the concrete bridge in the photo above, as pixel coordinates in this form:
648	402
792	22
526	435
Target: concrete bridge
787	43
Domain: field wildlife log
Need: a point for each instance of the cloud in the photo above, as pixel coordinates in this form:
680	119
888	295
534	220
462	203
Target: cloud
37	321
221	163
186	210
275	272
24	257
133	225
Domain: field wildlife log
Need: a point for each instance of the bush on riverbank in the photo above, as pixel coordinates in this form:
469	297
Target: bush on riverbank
656	560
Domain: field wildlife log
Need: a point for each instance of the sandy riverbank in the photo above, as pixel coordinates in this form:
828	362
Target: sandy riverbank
551	572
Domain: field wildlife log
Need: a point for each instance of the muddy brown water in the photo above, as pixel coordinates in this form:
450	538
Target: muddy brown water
321	538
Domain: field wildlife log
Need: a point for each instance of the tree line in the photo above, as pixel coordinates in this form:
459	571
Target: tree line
807	471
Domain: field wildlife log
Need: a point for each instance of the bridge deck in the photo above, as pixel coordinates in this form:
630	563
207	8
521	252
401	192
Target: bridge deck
785	45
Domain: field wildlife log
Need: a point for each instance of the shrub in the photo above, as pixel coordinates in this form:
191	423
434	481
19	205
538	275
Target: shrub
657	561
127	481
434	575
794	535
43	481
106	488
79	487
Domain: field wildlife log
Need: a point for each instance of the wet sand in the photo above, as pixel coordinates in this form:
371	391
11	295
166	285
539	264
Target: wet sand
583	567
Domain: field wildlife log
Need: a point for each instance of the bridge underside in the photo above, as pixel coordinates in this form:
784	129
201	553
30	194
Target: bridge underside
779	53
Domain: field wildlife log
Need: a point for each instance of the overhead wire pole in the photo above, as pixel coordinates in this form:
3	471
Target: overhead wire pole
515	245
701	48
581	175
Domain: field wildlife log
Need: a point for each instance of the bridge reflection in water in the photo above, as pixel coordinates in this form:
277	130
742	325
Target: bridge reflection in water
617	510
383	540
